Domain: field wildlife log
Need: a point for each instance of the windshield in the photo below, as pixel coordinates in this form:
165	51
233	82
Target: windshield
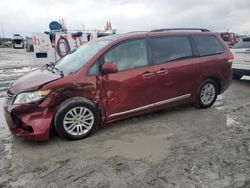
242	45
74	61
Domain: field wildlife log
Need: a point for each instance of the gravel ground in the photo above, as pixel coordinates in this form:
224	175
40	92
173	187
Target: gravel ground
179	147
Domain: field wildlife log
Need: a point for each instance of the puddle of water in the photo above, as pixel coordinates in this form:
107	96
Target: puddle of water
152	148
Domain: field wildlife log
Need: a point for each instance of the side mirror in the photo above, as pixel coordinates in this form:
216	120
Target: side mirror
109	67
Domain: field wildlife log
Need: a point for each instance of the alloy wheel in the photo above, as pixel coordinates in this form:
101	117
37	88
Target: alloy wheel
78	121
208	93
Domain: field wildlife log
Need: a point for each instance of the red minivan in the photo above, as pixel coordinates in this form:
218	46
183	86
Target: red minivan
117	77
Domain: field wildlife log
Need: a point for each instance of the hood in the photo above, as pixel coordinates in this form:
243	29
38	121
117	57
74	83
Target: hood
33	80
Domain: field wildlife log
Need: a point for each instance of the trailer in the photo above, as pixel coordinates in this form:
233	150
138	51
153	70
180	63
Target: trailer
52	46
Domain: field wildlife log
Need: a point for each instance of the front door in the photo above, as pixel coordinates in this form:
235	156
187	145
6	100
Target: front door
131	89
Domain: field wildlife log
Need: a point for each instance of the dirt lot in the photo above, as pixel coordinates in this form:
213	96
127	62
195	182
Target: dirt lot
180	147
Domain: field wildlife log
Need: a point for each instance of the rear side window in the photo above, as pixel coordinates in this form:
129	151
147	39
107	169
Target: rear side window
208	45
166	49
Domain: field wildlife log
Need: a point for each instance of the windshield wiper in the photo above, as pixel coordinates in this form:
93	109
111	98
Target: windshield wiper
58	70
50	66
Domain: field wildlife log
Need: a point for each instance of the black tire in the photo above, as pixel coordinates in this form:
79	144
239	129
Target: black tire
237	76
199	103
65	107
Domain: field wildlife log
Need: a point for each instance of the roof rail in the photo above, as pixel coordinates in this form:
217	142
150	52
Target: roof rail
137	31
181	29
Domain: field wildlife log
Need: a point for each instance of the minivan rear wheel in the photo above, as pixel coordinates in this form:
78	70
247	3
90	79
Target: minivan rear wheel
76	119
207	94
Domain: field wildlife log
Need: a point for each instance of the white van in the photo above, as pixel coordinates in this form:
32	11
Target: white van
241	63
18	41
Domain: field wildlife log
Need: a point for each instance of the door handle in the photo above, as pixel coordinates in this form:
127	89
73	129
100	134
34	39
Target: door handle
162	71
147	74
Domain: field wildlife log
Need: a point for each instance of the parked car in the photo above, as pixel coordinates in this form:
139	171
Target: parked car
117	77
229	38
241	65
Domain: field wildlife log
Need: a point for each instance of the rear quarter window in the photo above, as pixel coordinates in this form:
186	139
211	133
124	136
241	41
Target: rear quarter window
208	45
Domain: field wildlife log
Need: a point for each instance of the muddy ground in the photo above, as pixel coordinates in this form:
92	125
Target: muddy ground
179	147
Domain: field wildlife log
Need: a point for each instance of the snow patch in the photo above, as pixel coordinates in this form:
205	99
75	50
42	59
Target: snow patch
231	121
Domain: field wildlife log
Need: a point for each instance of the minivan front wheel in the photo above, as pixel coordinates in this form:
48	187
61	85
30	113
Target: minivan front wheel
76	119
207	95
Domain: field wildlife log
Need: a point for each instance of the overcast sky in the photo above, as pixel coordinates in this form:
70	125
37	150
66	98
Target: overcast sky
26	16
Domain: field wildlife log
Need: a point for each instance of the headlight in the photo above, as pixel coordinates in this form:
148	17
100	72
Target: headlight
30	97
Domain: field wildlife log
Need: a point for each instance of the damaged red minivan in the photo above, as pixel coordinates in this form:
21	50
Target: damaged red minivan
117	77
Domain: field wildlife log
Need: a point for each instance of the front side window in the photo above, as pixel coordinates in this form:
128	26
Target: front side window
94	69
165	49
128	55
208	45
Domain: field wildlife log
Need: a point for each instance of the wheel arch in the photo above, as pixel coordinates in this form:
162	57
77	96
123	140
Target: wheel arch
72	99
210	79
217	80
69	104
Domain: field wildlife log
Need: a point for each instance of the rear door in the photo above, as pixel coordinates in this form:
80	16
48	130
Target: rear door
214	59
176	68
131	89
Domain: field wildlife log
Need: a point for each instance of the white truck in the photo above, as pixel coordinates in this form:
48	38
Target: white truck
241	63
18	41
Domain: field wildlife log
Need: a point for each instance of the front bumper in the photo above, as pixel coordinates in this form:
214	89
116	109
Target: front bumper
29	120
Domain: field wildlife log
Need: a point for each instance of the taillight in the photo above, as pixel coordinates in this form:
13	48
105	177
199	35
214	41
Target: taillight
230	59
